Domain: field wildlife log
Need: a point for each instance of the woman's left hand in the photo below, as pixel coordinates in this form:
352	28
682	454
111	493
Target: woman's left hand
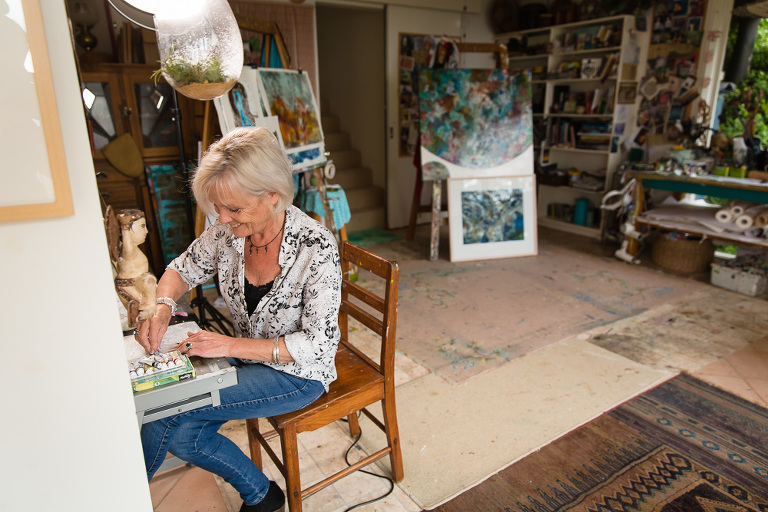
206	344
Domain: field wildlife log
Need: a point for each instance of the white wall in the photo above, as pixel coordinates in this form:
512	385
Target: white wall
69	437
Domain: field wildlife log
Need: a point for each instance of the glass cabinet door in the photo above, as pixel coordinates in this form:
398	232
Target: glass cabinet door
152	115
101	97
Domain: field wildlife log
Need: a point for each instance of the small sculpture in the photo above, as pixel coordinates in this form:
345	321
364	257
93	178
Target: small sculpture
135	285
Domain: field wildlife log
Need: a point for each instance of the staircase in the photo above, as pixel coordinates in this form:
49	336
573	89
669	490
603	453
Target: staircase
366	201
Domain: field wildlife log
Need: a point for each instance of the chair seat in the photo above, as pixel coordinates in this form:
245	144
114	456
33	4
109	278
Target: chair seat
358	384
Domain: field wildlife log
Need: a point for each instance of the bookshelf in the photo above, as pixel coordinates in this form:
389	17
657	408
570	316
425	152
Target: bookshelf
585	104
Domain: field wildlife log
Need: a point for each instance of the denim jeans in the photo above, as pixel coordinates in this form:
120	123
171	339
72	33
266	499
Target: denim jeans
193	436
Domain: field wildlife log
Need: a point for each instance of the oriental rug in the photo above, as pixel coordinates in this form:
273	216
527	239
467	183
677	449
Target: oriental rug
684	446
462	319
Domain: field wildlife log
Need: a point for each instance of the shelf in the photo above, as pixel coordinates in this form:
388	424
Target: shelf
579	150
561	225
693	229
582	80
595	193
582	116
529	57
606	49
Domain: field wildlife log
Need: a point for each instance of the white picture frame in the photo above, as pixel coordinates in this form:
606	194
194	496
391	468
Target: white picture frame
492	217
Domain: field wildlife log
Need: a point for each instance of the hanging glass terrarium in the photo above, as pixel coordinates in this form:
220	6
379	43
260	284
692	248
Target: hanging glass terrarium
201	50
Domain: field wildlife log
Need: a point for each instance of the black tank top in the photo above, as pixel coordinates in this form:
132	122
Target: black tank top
253	294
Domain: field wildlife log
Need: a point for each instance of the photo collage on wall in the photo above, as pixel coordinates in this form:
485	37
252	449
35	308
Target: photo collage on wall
670	87
417	52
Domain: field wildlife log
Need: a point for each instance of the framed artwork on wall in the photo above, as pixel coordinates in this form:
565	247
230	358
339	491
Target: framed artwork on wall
492	217
35	182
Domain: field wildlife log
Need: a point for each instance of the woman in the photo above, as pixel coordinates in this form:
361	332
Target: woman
280	275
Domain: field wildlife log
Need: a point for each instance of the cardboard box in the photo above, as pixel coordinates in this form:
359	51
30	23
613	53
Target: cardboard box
748	283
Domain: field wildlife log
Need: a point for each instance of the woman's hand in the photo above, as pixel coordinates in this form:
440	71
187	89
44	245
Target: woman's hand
151	331
206	344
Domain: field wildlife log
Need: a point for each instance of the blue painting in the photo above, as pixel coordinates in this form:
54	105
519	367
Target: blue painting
492	215
475	118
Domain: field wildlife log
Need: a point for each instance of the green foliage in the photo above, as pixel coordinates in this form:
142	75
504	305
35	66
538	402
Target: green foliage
185	73
745	101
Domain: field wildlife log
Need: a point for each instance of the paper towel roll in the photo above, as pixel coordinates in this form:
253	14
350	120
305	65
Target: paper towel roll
738	207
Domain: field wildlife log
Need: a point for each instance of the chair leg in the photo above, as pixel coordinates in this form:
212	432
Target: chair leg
393	437
252	424
354	425
290	446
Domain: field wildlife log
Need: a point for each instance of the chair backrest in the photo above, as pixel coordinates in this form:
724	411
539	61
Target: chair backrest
370	301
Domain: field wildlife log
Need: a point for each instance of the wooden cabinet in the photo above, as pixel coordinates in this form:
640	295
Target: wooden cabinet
581	120
124	98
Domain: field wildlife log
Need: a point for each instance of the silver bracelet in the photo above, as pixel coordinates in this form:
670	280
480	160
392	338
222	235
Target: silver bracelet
168	302
276	350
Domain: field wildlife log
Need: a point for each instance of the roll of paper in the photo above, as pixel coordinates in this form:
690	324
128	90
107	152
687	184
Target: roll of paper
725	215
747	219
329	171
738	207
761	219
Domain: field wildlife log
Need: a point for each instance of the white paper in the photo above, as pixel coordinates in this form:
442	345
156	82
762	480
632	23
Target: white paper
173	336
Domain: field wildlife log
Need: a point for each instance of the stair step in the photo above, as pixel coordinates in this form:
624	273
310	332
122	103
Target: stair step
367	218
364	197
354	177
330	124
336	141
325	105
345	159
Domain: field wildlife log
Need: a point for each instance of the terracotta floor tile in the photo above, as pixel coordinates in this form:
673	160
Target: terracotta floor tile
760	386
719	368
750	363
196	491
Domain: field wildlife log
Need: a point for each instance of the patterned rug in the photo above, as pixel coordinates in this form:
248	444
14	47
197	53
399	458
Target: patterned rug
684	446
461	319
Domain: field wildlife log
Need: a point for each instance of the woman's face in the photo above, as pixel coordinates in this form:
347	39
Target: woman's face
246	214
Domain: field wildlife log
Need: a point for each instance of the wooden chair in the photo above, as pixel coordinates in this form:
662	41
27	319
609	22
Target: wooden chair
361	381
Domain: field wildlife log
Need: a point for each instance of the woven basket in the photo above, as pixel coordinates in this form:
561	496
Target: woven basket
682	256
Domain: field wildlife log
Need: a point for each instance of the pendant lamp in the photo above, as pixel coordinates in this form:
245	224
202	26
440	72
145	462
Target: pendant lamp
201	50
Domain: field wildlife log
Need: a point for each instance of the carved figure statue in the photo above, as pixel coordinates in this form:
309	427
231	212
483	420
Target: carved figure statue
135	285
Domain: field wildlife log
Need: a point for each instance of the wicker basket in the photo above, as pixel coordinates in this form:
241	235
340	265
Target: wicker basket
682	256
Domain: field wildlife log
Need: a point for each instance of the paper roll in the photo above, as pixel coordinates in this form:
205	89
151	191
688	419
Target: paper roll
329	171
747	219
761	219
738	207
724	215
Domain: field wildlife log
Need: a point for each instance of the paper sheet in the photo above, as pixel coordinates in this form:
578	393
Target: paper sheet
173	336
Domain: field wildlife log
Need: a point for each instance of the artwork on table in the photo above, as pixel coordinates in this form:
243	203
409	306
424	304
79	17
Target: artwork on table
281	100
492	217
288	95
476	122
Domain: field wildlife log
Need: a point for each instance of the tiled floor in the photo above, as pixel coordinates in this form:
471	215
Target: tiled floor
188	489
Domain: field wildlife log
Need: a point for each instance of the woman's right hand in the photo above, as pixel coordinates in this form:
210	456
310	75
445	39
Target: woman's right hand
151	331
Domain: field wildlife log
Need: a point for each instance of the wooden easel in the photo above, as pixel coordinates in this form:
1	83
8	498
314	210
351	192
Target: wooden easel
502	62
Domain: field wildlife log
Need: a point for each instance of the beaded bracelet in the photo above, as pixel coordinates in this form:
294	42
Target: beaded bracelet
168	302
276	350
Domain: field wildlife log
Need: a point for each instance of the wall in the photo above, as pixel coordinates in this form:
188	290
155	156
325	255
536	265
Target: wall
70	439
352	78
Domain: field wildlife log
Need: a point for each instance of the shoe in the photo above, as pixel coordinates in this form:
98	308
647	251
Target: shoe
274	501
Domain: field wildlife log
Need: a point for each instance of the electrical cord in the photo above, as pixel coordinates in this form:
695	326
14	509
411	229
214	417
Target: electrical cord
346	459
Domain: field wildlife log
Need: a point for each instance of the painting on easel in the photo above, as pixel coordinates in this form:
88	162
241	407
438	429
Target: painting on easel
476	122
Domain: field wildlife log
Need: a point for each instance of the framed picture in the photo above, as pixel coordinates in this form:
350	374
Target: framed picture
35	183
492	217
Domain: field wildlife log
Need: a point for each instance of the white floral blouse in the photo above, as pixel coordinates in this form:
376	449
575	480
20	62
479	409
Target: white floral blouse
303	304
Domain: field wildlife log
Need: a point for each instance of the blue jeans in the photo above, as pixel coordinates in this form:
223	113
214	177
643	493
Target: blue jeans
193	436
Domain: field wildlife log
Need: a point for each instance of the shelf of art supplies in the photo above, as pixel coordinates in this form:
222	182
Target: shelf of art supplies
584	118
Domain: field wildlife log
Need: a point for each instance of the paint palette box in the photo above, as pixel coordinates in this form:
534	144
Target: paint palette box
159	370
739	280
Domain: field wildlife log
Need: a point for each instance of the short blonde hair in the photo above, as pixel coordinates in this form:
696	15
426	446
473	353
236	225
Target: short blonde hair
245	159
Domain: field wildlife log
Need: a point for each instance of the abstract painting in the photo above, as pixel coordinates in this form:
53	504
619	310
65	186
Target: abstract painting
492	217
288	95
477	122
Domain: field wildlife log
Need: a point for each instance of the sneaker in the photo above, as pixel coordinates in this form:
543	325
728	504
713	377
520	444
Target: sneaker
274	501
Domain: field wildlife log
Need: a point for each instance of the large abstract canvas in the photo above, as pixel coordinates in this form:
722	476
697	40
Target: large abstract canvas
288	95
477	123
492	217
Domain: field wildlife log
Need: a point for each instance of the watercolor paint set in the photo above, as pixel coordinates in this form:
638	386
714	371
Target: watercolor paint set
159	369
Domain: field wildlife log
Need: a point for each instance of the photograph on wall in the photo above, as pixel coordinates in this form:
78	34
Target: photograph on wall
477	122
288	95
492	217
